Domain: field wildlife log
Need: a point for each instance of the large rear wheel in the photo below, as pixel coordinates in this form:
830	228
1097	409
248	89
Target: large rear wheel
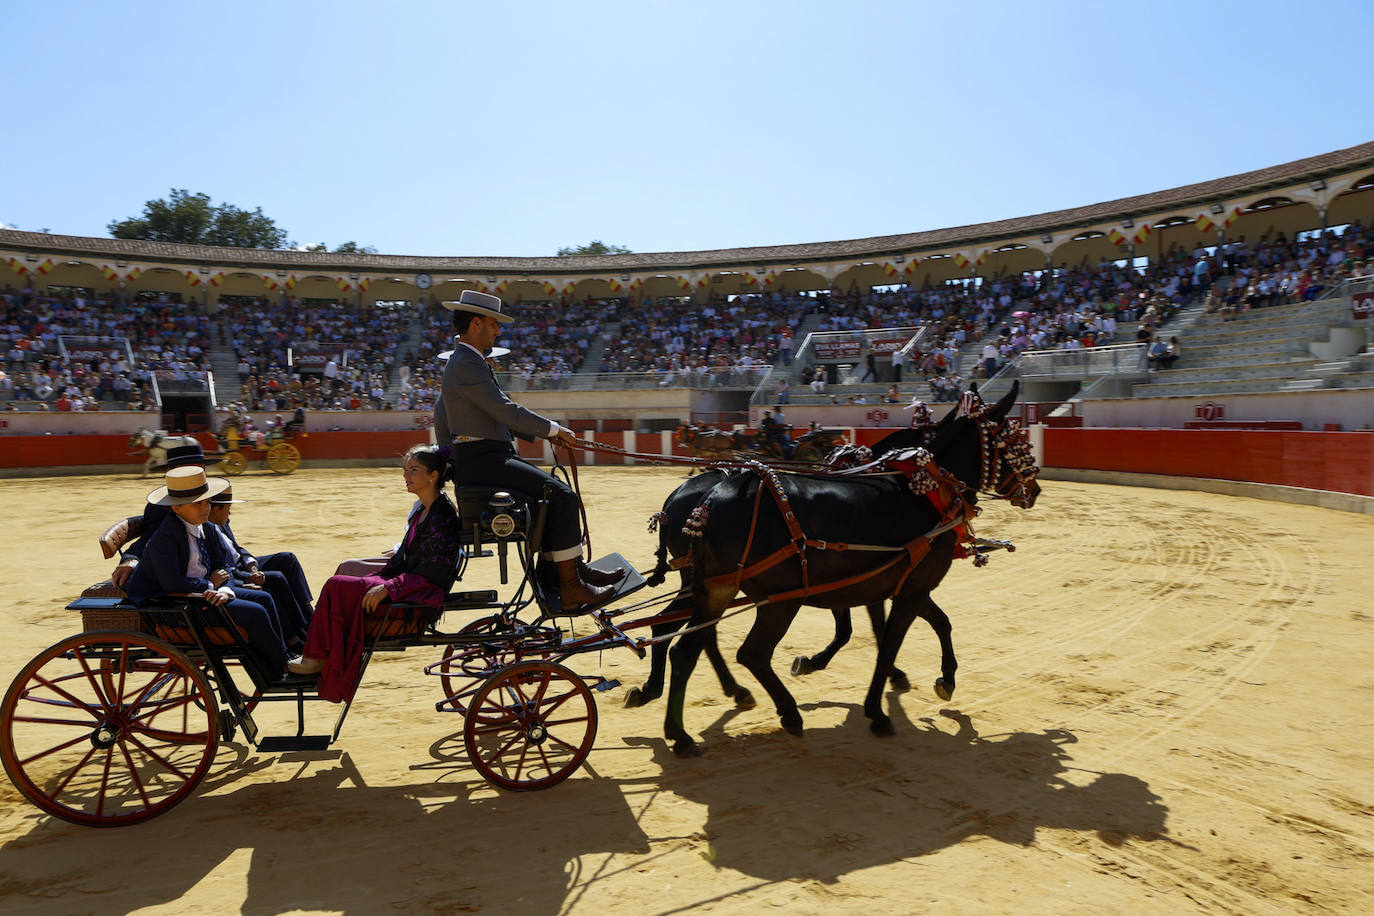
108	729
530	726
233	463
283	458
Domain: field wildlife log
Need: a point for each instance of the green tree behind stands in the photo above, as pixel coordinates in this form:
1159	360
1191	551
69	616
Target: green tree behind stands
193	220
349	247
595	246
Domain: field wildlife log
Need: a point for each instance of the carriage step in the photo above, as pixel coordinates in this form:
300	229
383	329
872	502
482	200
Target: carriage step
294	743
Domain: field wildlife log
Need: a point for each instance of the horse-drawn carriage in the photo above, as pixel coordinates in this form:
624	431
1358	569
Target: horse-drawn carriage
276	447
121	722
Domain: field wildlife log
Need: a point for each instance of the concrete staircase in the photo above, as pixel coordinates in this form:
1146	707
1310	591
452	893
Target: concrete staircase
225	366
415	332
1273	349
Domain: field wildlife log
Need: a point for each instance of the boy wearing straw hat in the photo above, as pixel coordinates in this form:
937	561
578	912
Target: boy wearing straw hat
186	556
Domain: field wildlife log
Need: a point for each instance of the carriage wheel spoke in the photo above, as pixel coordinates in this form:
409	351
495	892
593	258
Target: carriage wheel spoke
37	720
104	781
52	685
52	750
161	706
501	751
70	773
133	774
156	756
106	703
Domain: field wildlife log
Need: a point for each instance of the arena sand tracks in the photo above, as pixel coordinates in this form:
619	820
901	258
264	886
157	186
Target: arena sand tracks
1162	707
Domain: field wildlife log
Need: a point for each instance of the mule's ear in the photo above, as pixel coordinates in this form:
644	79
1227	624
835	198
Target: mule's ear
1004	405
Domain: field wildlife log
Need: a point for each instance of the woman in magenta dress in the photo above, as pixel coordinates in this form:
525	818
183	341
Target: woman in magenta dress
420	572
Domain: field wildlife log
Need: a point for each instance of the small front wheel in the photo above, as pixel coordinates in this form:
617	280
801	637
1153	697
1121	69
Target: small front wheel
108	729
233	463
530	726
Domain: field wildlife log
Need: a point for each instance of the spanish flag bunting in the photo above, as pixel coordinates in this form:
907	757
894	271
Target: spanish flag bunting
704	280
772	276
961	262
192	279
1141	235
568	288
1231	217
46	265
217	278
365	283
889	269
615	286
751	280
911	265
683	283
479	286
502	287
1116	237
1204	223
343	284
269	281
636	283
548	288
109	272
17	266
134	273
291	281
982	256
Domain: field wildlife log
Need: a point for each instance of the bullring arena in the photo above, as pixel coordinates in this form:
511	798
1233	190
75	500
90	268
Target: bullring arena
1161	692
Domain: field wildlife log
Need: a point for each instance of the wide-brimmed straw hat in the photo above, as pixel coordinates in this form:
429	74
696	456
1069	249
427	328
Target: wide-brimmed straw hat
184	456
470	300
225	498
187	485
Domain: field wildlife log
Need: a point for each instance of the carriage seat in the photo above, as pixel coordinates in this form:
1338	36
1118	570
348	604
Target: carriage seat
472	501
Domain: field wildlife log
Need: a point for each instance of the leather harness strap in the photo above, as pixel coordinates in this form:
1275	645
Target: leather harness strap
955	513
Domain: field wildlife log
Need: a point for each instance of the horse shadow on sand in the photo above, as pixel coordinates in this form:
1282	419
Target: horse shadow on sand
319	838
839	800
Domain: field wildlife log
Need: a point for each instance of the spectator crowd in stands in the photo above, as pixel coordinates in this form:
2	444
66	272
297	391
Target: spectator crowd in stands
677	341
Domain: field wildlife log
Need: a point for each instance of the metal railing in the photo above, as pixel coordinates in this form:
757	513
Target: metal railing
179	381
1298	345
715	379
1078	364
851	347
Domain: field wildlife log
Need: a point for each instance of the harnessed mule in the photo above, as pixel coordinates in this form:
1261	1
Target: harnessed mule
841	541
156	442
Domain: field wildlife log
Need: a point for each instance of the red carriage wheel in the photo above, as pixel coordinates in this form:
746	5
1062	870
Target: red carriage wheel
108	729
530	726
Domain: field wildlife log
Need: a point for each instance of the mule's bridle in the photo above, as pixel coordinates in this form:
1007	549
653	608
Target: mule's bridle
1005	444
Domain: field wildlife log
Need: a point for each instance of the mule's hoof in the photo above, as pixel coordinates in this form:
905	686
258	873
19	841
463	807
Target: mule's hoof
899	681
882	727
942	690
686	748
801	665
744	699
634	698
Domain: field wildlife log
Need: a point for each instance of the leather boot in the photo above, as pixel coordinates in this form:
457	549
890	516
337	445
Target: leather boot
573	593
593	576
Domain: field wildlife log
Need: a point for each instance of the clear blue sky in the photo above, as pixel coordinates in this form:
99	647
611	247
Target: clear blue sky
452	128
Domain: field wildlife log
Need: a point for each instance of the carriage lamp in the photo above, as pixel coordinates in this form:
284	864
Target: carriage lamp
502	520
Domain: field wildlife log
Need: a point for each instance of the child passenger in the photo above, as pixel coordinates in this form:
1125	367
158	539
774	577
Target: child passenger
186	556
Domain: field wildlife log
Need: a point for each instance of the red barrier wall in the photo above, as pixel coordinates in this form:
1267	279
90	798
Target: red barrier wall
75	451
1338	461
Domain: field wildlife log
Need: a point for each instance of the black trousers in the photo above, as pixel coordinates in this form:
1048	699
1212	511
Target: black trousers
254	611
286	582
495	464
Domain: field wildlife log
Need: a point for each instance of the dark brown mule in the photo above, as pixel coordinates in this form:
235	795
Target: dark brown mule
885	526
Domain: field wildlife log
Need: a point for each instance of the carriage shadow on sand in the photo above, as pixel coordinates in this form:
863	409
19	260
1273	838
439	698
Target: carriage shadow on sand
320	838
839	800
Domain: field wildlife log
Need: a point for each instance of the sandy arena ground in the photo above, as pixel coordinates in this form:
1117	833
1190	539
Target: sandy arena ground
1163	707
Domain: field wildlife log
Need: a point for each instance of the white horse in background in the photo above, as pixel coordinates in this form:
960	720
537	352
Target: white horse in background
156	442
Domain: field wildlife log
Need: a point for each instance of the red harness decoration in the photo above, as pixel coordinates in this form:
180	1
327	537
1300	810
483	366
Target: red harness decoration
944	493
